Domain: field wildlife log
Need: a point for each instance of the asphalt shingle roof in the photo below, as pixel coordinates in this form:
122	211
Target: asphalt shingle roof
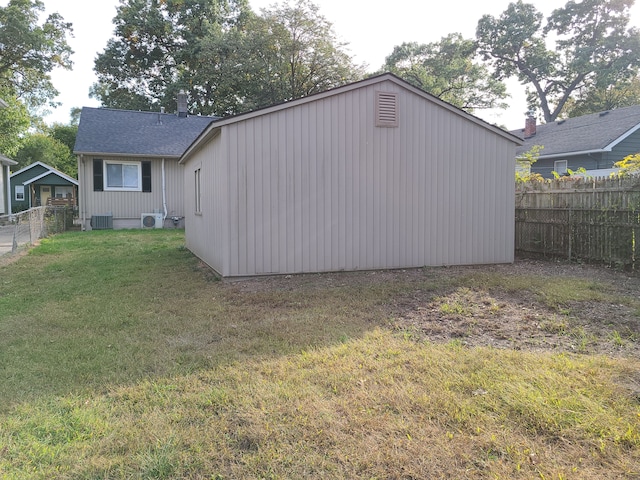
582	134
127	132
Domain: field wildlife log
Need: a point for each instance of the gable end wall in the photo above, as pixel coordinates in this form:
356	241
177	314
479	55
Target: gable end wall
318	187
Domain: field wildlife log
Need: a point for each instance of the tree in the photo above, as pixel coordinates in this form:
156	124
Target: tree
297	53
41	147
287	52
226	58
447	70
29	51
14	122
593	49
156	52
622	94
65	134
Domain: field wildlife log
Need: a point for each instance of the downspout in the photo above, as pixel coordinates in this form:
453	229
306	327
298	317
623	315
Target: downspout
164	193
9	192
81	175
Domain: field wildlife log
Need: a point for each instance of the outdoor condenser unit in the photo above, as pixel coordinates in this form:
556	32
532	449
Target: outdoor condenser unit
101	222
151	220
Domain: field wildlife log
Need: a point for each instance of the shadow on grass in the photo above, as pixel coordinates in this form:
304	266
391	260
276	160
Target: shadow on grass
89	311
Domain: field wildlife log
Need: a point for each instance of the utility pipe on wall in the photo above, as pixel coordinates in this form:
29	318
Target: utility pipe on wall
164	193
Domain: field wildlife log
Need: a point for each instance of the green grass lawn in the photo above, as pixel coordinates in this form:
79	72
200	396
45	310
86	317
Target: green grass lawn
121	357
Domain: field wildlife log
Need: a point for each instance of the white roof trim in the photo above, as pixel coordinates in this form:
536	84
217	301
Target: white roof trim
622	137
7	161
49	171
54	172
30	166
339	90
571	154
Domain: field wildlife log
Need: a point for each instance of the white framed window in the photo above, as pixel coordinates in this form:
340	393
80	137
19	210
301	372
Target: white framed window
560	167
123	176
19	193
63	192
197	191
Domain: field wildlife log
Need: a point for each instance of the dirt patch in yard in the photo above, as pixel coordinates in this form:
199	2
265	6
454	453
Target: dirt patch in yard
537	305
526	317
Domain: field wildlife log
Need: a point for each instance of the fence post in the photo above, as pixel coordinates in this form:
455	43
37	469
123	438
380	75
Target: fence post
570	221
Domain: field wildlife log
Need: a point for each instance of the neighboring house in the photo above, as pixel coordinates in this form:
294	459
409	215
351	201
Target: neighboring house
39	184
374	174
594	142
5	164
5	184
128	166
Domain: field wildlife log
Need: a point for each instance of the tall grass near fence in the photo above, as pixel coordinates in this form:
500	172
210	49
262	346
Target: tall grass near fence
586	219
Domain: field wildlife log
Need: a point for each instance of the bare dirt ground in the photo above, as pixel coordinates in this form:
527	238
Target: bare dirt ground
522	320
495	315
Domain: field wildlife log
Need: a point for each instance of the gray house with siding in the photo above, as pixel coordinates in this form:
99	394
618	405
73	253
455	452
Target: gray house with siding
128	166
594	142
372	175
5	184
5	164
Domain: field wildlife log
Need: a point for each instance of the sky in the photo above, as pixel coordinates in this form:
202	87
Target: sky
370	32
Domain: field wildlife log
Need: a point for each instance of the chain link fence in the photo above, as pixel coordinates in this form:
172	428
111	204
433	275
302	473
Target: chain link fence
25	228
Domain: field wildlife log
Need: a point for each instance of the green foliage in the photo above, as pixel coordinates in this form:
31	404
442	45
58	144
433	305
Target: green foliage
629	165
14	122
291	52
447	70
225	57
594	50
65	134
40	147
569	173
30	50
523	165
624	93
155	52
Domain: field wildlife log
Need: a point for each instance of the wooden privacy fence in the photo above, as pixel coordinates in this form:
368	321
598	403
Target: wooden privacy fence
596	220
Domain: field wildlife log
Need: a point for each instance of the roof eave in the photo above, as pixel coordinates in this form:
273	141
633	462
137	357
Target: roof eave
124	154
572	154
50	172
7	161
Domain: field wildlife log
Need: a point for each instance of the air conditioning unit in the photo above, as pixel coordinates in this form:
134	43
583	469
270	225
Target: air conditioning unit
101	222
151	220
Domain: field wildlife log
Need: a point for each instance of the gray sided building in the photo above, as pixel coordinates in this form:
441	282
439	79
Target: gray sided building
128	166
372	175
594	142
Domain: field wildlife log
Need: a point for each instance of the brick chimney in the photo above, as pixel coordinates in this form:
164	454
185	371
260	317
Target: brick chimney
182	104
530	125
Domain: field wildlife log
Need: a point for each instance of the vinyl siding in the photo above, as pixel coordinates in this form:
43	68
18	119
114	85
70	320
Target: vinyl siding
591	161
126	207
318	187
206	232
628	146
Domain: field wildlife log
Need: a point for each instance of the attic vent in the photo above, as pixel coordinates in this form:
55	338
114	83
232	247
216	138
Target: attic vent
386	109
602	114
